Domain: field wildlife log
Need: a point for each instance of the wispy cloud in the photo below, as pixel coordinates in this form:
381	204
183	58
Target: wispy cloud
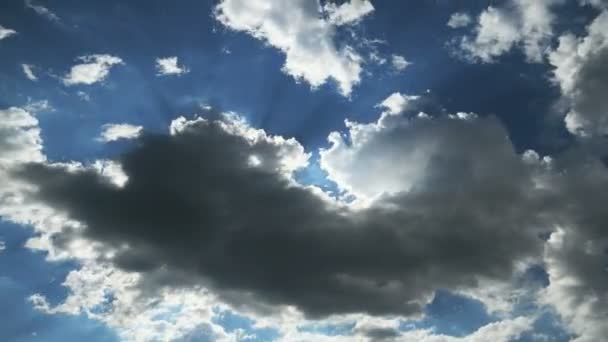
42	11
28	70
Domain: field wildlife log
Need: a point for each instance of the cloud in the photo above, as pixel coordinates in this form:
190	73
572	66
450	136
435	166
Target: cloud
459	19
38	106
195	210
302	34
2	246
42	11
95	68
523	23
397	103
169	66
580	71
575	254
399	62
186	221
19	137
113	132
28	70
348	12
6	32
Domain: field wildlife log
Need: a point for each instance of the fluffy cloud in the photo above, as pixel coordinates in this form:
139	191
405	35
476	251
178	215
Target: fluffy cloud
399	62
575	254
113	132
169	66
348	12
524	23
209	216
582	76
186	222
6	32
19	137
94	68
458	20
302	34
28	70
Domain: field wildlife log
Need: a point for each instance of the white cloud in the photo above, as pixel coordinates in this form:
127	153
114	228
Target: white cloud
348	12
2	246
368	152
524	23
579	70
95	68
297	28
6	32
399	62
28	70
113	132
397	103
19	137
169	66
459	19
41	10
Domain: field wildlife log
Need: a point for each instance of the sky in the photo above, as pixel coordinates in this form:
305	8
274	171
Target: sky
304	170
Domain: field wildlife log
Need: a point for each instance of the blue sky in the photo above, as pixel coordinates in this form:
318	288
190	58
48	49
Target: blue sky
448	156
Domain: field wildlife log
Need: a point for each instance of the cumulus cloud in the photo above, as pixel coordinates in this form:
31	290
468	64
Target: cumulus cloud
185	222
6	32
210	217
399	62
19	136
459	19
169	66
42	11
113	132
347	12
299	30
28	70
581	73
523	23
93	69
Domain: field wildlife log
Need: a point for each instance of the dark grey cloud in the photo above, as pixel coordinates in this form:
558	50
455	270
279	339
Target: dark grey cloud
197	211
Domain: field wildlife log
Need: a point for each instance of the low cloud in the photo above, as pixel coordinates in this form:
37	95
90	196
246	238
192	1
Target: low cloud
113	132
298	29
6	32
518	23
93	69
169	66
458	20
